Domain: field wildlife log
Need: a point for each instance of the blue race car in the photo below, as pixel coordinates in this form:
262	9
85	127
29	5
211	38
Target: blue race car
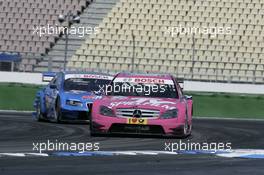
69	96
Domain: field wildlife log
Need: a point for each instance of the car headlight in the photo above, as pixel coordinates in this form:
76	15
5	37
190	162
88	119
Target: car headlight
106	111
74	103
170	114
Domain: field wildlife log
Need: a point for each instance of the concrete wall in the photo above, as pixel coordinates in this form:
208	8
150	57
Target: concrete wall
223	87
21	77
36	78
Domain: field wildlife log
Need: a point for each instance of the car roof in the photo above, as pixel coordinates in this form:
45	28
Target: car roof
86	72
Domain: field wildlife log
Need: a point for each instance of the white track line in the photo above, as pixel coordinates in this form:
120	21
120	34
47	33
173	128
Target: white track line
232	154
242	152
23	154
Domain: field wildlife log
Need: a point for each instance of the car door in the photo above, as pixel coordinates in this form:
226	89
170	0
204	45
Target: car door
51	94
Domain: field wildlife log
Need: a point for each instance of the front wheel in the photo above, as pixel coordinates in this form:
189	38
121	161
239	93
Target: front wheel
92	133
38	112
186	130
57	112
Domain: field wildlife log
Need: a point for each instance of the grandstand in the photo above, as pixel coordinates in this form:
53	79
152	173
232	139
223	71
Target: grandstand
235	56
18	19
90	17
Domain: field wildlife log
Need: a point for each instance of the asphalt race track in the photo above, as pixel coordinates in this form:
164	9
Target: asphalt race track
17	134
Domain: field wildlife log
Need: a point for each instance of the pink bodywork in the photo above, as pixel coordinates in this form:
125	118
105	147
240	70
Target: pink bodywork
161	104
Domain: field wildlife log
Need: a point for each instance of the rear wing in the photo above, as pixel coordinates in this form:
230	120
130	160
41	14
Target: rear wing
48	76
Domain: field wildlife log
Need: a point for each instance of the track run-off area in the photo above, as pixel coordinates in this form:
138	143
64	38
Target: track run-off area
20	137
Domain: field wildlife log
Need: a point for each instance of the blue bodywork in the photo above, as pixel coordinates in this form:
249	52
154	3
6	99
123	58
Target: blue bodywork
73	105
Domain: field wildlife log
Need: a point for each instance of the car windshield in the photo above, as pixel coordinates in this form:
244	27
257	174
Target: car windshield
84	84
143	90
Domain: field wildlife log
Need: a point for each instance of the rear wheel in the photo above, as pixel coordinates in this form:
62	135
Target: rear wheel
190	130
186	129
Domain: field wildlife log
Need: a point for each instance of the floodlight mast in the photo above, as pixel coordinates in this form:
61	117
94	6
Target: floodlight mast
70	19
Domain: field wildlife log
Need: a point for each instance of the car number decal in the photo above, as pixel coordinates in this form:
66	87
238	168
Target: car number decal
138	121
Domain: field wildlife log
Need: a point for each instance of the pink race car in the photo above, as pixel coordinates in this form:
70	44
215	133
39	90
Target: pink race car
143	104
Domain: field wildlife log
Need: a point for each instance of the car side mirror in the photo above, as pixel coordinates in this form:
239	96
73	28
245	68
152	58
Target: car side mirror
181	85
53	86
188	97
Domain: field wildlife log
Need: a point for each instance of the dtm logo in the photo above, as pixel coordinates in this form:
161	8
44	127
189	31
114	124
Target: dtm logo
137	113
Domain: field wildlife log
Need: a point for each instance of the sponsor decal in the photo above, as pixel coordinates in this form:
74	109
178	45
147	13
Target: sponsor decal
149	80
86	97
145	80
137	121
75	92
89	76
145	101
118	97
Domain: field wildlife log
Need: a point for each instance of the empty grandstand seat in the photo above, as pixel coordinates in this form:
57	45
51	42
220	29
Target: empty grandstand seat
18	20
232	56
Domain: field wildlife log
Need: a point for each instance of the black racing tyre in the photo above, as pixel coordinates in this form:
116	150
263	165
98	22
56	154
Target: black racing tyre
92	133
190	130
39	116
186	129
57	111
